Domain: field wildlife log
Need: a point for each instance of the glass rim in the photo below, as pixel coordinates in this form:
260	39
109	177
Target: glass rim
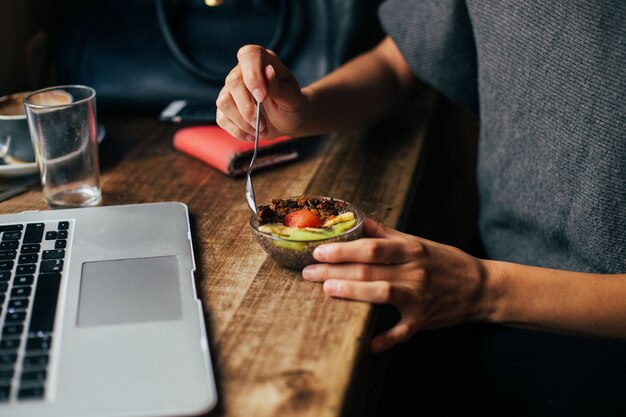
92	94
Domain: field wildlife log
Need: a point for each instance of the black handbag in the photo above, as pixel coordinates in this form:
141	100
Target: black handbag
140	55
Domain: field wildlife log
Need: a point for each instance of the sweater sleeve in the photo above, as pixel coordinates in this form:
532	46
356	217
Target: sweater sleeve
436	39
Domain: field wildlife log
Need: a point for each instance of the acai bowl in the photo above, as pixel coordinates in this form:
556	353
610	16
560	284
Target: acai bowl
290	228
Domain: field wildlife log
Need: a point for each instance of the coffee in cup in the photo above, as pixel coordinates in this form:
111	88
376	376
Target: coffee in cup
15	142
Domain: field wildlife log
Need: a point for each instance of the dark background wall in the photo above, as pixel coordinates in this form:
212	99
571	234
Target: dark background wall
25	44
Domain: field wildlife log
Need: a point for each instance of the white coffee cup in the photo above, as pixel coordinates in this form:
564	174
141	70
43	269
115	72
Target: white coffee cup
15	140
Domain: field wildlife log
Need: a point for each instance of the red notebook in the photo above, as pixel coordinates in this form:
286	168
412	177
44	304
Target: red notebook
217	148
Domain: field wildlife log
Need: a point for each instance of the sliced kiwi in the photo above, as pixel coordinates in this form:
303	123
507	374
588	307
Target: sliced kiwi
342	227
306	235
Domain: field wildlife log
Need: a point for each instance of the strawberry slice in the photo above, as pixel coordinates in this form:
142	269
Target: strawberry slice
301	219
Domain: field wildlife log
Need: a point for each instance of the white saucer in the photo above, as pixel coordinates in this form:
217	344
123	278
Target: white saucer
30	168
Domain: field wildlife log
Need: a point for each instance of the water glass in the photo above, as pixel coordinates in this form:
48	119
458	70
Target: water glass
63	126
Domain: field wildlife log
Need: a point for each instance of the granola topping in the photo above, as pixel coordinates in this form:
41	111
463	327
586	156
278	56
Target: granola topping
277	209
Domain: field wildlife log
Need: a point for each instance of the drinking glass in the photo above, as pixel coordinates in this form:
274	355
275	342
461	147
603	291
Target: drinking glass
62	123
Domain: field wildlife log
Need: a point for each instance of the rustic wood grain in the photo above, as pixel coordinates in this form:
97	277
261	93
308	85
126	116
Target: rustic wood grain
280	346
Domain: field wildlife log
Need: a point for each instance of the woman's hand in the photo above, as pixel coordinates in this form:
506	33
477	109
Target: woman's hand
260	77
432	285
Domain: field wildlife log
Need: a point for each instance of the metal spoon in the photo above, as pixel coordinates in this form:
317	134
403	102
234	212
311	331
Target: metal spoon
249	189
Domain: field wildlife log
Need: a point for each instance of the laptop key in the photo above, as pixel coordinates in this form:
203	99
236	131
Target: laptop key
62	234
33	379
9	345
6	265
7	254
30	393
18	292
64	225
45	303
60	244
5	275
22	280
33	363
38	344
26	269
11	227
11	235
6	376
53	254
9	244
4	286
33	233
15	318
30	258
51	265
32	248
12	330
51	235
17	304
4	393
7	360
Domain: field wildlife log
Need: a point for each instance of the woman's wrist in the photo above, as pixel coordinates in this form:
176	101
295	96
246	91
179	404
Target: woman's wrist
308	113
493	301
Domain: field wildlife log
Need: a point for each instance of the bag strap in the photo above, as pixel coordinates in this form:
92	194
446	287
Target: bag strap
188	64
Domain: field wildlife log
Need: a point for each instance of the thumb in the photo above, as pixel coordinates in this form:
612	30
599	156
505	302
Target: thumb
399	333
283	88
372	228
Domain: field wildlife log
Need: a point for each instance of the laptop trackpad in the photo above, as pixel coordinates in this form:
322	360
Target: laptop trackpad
129	291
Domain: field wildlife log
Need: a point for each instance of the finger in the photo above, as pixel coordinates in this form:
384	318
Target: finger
377	292
368	250
372	228
250	59
225	123
352	272
283	89
401	332
226	104
245	103
254	61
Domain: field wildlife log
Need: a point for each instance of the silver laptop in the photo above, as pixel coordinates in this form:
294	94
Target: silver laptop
99	314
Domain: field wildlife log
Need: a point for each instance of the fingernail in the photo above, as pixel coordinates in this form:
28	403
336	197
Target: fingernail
249	138
308	273
331	287
321	252
258	95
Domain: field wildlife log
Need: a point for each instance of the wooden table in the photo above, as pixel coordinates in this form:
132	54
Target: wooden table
280	347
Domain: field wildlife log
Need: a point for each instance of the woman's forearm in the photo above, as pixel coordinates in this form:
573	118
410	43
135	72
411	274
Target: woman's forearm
558	301
362	91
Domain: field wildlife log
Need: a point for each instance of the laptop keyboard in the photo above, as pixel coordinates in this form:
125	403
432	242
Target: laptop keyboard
31	263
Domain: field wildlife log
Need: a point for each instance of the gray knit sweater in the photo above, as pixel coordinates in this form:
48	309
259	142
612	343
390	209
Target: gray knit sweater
548	79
